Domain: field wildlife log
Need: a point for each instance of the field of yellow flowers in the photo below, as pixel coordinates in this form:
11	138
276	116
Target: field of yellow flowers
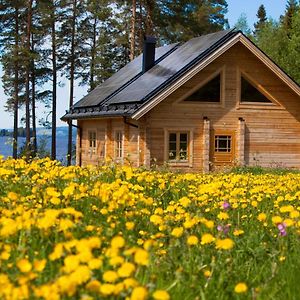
120	233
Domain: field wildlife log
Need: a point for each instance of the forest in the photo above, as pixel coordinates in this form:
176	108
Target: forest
86	41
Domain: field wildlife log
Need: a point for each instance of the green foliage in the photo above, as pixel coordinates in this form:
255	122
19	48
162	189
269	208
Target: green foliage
242	24
280	40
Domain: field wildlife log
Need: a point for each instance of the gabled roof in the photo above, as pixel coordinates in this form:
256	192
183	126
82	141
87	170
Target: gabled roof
131	93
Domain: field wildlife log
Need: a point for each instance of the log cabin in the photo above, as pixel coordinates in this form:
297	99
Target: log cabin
215	100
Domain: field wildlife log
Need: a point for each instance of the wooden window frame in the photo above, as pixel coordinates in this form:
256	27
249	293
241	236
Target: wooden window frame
92	150
177	162
254	105
118	149
221	103
104	140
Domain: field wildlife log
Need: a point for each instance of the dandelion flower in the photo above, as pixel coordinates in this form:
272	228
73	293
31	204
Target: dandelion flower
24	265
207	238
192	240
161	295
224	244
139	293
241	288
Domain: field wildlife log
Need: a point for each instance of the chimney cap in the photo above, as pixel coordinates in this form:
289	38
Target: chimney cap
150	39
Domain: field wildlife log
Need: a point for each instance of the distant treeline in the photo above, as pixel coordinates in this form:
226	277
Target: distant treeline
6	132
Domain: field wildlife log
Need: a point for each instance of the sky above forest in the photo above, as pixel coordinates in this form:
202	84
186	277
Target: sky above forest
274	9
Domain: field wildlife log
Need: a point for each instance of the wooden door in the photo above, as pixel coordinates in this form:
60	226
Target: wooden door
222	147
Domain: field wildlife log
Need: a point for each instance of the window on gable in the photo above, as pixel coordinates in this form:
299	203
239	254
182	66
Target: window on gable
178	146
209	92
250	93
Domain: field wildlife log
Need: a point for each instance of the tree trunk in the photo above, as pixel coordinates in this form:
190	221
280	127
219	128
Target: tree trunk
54	83
132	31
16	85
27	83
93	55
34	144
72	67
149	17
141	31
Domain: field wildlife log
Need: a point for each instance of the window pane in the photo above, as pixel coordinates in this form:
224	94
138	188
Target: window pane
210	92
249	93
222	143
172	137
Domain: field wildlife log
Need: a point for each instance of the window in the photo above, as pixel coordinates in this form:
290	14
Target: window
118	144
101	143
223	143
209	92
178	146
250	93
92	142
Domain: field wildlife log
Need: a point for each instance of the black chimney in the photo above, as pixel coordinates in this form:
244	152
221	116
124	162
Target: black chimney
148	53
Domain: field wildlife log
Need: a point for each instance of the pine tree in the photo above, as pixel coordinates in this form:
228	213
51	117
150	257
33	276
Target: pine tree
242	24
290	10
262	18
69	50
10	40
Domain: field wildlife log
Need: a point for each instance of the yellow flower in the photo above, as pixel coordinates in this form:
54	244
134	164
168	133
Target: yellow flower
110	276
139	293
155	219
177	232
130	283
192	240
129	225
276	219
241	288
207	273
207	238
141	257
39	265
262	217
95	263
93	286
117	242
24	265
126	270
223	216
55	200
238	232
225	244
107	289
161	295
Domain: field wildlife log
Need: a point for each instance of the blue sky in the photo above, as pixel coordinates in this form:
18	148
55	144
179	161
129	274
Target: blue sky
274	9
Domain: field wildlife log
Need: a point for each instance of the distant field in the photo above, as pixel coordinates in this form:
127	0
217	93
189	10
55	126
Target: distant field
122	233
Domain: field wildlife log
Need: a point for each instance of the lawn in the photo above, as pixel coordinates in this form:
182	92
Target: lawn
122	233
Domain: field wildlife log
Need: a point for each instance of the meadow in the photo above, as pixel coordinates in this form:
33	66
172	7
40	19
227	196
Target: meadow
121	233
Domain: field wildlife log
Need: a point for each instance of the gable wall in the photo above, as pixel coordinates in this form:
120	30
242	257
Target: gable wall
272	136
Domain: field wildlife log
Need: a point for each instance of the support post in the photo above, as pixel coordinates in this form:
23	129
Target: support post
241	142
206	144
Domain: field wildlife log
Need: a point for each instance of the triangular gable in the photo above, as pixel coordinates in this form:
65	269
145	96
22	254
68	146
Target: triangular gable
221	49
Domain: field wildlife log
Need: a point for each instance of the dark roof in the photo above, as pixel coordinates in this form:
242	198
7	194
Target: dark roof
129	89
